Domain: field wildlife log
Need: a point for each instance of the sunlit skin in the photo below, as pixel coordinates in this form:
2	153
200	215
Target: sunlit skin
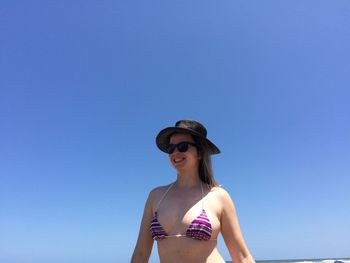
180	206
185	163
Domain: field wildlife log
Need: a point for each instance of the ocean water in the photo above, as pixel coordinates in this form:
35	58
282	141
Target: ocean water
334	260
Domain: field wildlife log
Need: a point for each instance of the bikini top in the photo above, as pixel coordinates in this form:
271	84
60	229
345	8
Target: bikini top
199	229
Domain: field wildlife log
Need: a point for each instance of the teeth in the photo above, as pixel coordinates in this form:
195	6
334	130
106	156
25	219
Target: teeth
178	160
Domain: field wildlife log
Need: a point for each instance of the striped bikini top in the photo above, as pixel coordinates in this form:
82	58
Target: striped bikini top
199	229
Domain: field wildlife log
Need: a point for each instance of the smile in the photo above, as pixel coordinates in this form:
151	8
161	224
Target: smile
178	160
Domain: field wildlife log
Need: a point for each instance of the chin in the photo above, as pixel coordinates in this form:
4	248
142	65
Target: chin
178	168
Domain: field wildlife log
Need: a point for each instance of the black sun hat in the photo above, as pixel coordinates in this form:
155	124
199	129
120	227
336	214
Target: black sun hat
185	126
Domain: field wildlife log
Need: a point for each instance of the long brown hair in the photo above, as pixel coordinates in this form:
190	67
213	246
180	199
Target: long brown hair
205	169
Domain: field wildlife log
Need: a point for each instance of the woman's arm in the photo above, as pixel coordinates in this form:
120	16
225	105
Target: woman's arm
144	243
231	231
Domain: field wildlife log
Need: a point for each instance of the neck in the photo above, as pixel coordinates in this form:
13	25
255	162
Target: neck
188	180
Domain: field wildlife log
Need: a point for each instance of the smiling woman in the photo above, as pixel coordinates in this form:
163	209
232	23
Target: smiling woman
186	216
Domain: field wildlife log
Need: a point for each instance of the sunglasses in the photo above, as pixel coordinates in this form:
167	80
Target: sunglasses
181	147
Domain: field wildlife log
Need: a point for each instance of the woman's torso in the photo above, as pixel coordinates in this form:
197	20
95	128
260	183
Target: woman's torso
175	212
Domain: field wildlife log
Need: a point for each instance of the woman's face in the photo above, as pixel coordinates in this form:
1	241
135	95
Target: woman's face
184	161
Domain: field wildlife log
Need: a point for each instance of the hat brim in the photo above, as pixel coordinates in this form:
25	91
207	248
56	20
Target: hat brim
162	139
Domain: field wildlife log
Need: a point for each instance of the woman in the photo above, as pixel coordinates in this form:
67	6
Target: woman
186	216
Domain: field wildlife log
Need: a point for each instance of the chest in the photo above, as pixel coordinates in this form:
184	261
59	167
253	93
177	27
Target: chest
177	213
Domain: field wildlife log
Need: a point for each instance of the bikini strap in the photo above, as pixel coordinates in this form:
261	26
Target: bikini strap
164	196
202	197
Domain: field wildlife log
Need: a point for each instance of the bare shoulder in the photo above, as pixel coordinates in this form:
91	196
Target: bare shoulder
159	190
218	200
222	203
220	193
156	194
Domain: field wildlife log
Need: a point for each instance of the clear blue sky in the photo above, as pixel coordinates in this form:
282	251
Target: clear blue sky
86	85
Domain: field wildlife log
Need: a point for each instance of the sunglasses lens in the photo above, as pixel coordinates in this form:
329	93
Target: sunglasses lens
171	148
182	147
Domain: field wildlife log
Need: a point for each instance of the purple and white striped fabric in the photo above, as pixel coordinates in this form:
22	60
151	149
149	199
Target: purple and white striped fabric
156	229
199	229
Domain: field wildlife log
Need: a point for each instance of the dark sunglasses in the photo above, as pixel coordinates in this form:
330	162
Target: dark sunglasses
181	147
